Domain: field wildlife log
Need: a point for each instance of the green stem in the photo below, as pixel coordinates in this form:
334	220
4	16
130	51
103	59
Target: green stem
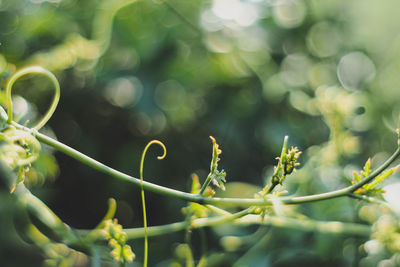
146	242
218	211
180	226
135	233
46	216
196	197
344	191
272	187
244	218
205	184
276	178
32	70
213	166
369	199
112	208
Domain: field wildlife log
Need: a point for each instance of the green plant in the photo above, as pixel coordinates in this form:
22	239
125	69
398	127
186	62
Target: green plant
21	147
235	78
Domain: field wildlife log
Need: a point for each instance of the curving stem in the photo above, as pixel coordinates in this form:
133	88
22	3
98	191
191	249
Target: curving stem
146	243
33	70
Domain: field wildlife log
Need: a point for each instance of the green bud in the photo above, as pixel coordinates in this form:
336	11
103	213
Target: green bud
121	252
127	253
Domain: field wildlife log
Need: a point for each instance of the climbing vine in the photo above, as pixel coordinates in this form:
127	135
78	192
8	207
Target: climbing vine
21	147
212	201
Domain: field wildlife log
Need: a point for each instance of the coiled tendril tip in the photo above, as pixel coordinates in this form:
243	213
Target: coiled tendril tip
33	70
142	193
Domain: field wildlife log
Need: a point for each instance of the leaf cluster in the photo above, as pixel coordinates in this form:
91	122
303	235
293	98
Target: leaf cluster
371	188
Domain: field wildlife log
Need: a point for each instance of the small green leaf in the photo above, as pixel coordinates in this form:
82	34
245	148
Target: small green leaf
215	177
218	179
367	168
356	177
372	187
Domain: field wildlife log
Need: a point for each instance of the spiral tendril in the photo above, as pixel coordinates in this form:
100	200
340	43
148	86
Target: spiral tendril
146	244
33	70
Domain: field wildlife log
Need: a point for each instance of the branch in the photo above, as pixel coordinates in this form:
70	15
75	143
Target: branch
60	231
330	227
198	198
373	200
242	218
344	191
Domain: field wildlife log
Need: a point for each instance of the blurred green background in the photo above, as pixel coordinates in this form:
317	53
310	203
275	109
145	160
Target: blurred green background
246	72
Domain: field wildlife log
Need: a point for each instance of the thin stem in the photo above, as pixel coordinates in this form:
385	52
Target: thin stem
272	187
189	256
205	184
369	199
344	191
46	216
135	233
180	226
196	197
244	218
218	210
146	242
276	179
112	208
33	70
213	166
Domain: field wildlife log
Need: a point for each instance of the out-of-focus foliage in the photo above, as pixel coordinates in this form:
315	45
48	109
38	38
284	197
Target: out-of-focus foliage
247	72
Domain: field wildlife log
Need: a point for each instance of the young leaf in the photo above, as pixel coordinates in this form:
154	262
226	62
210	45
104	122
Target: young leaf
219	180
216	177
287	164
372	187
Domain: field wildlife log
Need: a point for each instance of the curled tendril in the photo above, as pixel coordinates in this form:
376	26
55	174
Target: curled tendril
146	245
33	70
112	207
